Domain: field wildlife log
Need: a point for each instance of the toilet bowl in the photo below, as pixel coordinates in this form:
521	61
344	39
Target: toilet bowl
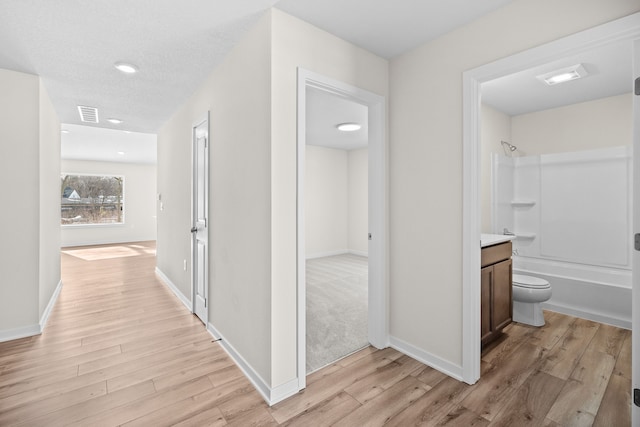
528	293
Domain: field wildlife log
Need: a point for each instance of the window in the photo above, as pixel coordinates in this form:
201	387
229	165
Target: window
91	199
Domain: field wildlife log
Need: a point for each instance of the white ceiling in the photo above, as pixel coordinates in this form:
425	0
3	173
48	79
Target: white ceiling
389	28
73	45
610	73
325	111
92	143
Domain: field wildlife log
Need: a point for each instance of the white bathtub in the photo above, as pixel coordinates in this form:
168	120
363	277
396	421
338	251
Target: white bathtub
601	294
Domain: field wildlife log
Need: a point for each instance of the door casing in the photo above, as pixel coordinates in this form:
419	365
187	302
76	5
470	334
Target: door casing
200	237
627	28
378	300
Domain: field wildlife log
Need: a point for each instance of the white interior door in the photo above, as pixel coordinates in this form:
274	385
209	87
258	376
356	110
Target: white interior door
200	226
635	348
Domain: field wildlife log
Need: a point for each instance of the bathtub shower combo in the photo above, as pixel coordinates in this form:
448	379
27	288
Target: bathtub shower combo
571	216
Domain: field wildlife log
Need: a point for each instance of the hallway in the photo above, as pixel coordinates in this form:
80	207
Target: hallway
120	348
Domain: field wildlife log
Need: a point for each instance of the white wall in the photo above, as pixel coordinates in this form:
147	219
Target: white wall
29	247
19	154
237	94
49	251
139	210
602	123
298	44
495	127
358	242
326	201
252	99
336	201
426	159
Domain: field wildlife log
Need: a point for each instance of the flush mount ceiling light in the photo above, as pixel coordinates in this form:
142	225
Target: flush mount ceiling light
126	68
64	131
348	127
563	75
121	153
114	121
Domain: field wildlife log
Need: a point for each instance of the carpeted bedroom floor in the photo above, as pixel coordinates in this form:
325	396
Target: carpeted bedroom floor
337	299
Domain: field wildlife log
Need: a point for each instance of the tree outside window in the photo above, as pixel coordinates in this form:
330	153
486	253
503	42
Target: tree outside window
91	199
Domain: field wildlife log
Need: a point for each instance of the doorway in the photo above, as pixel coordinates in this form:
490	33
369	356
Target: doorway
199	224
376	234
623	29
336	227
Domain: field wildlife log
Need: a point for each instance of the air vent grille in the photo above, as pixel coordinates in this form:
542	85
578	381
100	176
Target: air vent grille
88	114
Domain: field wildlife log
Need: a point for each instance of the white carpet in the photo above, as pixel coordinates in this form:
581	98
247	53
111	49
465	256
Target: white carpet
337	304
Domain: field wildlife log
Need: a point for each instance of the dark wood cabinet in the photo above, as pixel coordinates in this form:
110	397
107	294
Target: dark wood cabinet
496	305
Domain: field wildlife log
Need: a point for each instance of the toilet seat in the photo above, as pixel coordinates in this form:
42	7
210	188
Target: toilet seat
530	282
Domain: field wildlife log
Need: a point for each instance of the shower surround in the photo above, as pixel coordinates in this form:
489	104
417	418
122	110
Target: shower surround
571	214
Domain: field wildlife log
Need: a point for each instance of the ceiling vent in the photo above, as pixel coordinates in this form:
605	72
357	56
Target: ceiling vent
88	114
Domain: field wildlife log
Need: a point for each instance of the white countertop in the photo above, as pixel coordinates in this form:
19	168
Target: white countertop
494	239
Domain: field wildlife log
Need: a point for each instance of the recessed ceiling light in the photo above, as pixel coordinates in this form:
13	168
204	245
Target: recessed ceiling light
64	131
114	121
563	75
121	153
348	127
126	68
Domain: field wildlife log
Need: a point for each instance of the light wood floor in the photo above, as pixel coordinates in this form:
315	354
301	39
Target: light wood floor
120	350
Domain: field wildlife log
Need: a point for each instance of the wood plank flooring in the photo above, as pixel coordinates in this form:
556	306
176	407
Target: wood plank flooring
120	349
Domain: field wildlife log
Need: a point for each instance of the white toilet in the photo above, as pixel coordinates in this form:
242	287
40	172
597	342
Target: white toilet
528	293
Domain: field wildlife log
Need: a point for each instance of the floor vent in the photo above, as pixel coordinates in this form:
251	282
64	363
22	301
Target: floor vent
88	114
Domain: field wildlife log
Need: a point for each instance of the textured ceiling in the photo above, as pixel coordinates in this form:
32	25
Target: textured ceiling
389	28
73	45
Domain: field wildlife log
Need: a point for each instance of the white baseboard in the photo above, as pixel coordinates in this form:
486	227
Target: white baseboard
334	253
328	253
52	302
589	315
270	395
17	333
359	253
174	289
427	358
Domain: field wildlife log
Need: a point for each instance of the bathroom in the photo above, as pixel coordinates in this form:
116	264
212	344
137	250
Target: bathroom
557	173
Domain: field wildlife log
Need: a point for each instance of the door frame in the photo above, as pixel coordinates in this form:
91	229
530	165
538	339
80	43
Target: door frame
194	253
627	28
378	295
635	272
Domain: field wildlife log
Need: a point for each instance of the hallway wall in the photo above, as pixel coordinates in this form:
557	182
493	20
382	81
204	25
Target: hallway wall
30	244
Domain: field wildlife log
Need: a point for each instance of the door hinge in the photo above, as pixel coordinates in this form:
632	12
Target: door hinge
369	236
636	241
205	302
637	86
636	396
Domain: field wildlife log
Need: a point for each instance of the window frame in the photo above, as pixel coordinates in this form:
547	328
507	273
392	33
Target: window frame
94	224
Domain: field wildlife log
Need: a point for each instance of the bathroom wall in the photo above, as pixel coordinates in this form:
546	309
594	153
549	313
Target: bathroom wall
570	207
496	127
602	123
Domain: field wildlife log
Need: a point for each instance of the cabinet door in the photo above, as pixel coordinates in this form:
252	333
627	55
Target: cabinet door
486	277
502	302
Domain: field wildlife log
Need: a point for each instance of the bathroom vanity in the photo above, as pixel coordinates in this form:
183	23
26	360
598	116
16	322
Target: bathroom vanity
496	277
